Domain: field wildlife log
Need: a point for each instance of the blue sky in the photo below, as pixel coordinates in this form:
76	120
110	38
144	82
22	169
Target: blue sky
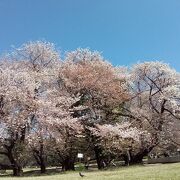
125	31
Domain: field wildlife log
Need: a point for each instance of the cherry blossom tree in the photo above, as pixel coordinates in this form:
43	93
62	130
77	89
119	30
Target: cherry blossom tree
100	86
118	139
25	83
66	141
55	112
154	102
39	144
17	105
53	104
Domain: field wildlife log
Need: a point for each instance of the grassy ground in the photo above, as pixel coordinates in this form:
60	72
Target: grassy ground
146	172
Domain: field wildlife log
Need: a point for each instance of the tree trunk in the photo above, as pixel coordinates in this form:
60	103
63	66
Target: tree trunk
40	160
99	157
43	168
68	164
17	170
136	158
13	156
40	157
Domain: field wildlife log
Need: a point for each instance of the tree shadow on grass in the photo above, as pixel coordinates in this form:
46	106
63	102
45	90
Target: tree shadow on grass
36	172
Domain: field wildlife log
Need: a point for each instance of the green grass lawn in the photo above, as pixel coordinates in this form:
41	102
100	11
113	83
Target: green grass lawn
150	172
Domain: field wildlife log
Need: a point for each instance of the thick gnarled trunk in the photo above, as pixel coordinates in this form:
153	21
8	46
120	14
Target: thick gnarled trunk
43	168
41	162
40	158
99	157
137	158
17	168
68	164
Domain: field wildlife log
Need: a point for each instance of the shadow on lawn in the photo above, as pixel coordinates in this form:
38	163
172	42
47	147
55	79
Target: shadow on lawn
54	171
36	172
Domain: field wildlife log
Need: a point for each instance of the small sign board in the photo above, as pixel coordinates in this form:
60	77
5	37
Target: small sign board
80	155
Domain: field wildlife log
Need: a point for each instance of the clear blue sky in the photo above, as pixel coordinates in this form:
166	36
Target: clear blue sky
125	31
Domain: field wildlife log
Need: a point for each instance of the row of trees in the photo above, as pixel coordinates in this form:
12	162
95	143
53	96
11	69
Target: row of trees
51	107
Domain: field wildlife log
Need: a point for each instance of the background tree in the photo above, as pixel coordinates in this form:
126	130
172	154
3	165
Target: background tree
100	86
16	106
154	103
